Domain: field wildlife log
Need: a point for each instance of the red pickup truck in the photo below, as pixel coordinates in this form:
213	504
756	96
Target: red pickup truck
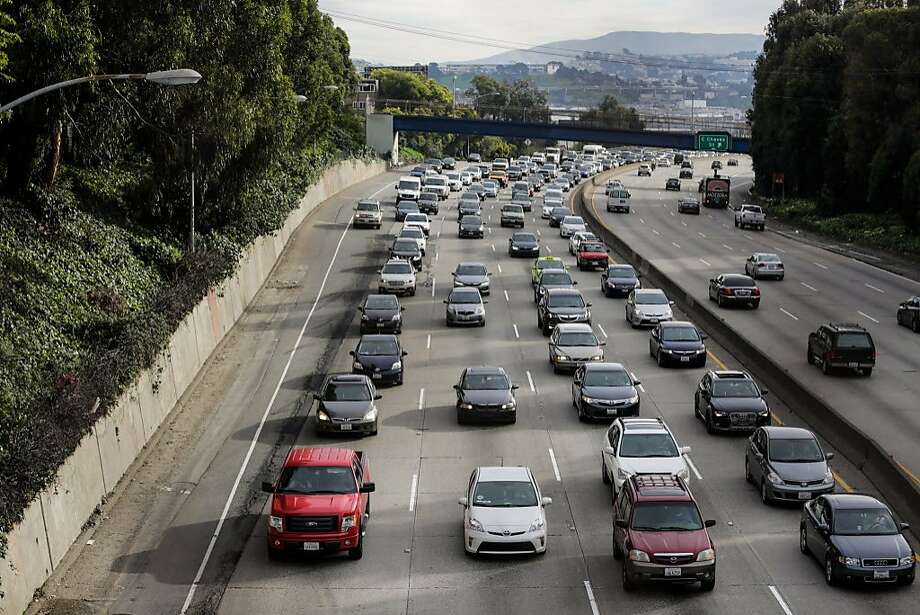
591	254
320	502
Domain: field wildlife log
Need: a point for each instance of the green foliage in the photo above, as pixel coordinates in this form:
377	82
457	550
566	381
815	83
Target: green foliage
520	101
399	85
611	114
409	155
7	38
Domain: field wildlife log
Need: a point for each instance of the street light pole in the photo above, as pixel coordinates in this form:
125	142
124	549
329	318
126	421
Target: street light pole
191	226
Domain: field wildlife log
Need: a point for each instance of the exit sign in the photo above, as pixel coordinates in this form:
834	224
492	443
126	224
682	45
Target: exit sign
713	141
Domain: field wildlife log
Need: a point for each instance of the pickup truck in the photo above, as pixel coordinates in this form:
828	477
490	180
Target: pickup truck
320	502
749	215
591	254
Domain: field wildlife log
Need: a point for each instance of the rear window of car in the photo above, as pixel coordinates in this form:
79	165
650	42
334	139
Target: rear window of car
592	247
854	340
737	280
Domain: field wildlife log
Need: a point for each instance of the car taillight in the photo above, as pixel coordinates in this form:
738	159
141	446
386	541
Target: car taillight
831	356
756	292
727	291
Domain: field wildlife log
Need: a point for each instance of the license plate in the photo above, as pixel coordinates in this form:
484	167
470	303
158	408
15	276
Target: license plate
654	321
611	411
672	572
744	293
375	377
852	364
345	426
685	359
380	324
311	546
880	574
804	495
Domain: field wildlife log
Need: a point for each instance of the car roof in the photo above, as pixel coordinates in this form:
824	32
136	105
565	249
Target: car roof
602	367
314	456
640	292
379	337
547	259
574	327
394	261
347	378
369	202
729	374
644	425
518	234
470	264
563	291
849	327
485	369
504	473
853	500
737	277
788	433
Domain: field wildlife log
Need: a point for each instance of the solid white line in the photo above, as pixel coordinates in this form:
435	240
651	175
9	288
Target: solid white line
530	381
875	288
258	433
809	286
433	282
499	267
693	467
421	398
789	314
705	262
552	457
506	296
428	343
676	245
867	316
779	600
701	234
591	601
412	491
820	265
516	334
604	333
727	247
656	232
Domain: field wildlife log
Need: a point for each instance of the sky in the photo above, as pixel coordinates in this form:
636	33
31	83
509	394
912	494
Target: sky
530	22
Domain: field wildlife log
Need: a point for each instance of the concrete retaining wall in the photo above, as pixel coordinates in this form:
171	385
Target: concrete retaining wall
55	519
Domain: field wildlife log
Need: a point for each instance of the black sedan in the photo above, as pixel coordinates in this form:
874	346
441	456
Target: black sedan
690	206
787	464
523	244
552	278
467	207
734	289
604	391
379	357
677	342
485	393
730	401
381	314
405	208
471	226
672	184
909	314
857	540
346	405
619	280
557	214
407	250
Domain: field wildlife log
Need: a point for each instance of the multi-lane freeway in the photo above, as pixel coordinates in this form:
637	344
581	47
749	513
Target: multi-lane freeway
189	529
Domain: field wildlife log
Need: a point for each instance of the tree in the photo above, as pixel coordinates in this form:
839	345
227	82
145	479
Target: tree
7	38
400	85
611	114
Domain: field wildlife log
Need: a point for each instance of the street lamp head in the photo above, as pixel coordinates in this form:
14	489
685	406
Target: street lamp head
179	76
299	98
330	88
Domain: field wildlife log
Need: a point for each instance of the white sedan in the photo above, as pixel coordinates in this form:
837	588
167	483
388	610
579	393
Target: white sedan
641	446
571	225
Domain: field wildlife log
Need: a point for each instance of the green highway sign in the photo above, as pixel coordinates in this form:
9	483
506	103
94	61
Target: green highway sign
713	141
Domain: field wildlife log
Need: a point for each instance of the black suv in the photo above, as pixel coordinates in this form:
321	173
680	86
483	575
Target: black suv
561	305
841	345
730	401
672	184
381	314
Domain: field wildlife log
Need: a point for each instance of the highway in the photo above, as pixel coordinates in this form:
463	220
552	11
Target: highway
248	408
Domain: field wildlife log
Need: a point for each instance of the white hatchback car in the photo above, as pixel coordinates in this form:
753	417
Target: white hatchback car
634	445
571	225
420	220
503	512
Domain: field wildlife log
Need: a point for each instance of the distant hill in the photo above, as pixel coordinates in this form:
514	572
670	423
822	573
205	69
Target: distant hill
645	43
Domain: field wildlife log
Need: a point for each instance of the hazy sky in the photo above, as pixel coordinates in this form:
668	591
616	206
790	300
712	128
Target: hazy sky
531	22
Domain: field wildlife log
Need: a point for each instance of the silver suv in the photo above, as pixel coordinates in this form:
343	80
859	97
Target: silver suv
397	276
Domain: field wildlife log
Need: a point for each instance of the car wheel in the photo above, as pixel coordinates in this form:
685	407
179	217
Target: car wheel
617	551
780	278
460	420
755	305
358	551
916	325
747	471
659	359
545	331
373	432
867	372
809	357
719	300
707	585
830	574
380	290
483	323
803	540
710	427
274	554
604	476
412	292
825	367
628	583
736	224
764	497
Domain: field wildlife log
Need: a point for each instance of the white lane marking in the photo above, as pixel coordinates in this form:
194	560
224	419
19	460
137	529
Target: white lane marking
641	220
499	267
779	249
428	343
604	333
705	262
552	458
549	249
656	232
684	223
676	245
421	398
701	234
591	601
638	386
867	316
671	212
493	247
258	433
489	228
516	334
809	287
728	247
692	465
538	232
875	288
413	489
438	235
789	314
506	296
530	381
433	282
435	256
779	600
820	265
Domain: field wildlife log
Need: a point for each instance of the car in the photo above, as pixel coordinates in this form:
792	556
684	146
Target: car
503	512
346	405
475	171
751	216
613	184
479	190
647	306
522	186
688	205
557	214
485	170
515	173
465	306
561	305
368	214
544	262
523	244
577	237
415	233
635	446
523	201
732	162
716	164
420	221
454	180
909	314
856	539
397	276
405	208
408	188
734	289
500	176
686	173
664	162
604	391
645	169
730	400
673	183
435	163
619	280
466	178
686	164
591	254
660	535
548	206
535	180
407	250
381	313
512	215
571	224
380	357
787	464
677	342
552	278
429	203
491	188
842	345
553	194
562	183
438	184
448	163
471	226
764	265
485	393
320	502
468	205
473	157
574	344
474	275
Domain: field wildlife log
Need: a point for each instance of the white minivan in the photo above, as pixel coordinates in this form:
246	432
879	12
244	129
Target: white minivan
408	189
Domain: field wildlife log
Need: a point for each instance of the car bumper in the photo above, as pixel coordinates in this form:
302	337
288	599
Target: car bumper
796	493
597	411
524	252
293	542
352	427
396	290
650	320
618	208
570	363
735	300
770	273
693	210
876	575
384	375
513	222
479	234
484	289
486	543
620	291
593	262
684	359
726	423
689	573
552	322
386	326
368	221
454	319
488	414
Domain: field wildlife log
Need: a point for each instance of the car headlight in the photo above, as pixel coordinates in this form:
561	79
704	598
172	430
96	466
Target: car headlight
396	365
706	555
348	522
357	365
514	247
480	311
906	561
589	400
632	400
848	561
371	414
664	350
321	415
395	317
508	406
828	476
774	478
466	406
536	525
622	474
561	357
364	317
275	523
684	473
473	524
764	412
639	313
598	357
635	555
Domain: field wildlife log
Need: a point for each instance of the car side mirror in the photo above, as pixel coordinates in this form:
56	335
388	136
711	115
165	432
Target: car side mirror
703	336
402	308
489	274
822	526
609	450
351	352
709	523
368	488
684	450
267	487
546	501
316	396
464	502
828	456
445	301
904	525
378	396
588	304
621	523
453	274
671	303
485	301
638	275
602	343
404	353
515	387
764	391
456	387
574	282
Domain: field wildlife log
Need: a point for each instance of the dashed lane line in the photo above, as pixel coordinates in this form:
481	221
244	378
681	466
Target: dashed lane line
779	600
864	315
789	314
552	458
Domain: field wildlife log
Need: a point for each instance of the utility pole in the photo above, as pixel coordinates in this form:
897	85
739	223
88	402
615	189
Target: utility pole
191	226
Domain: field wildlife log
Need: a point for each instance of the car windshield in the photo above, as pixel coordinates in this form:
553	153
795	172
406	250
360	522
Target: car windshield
367	207
795	450
524	238
651	299
554	278
397	268
853	340
416	218
550	264
741	387
464	296
864	522
648	445
471	269
407	185
680	334
347	391
621	272
591	247
384	302
405	246
566	300
666	516
317	480
471	221
607	378
577	338
735	281
375	348
486	382
504	494
407	207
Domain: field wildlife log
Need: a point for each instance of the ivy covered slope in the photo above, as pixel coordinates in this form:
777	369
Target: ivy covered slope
95	273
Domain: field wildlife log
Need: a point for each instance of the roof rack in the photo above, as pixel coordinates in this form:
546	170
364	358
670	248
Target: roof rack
645	481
